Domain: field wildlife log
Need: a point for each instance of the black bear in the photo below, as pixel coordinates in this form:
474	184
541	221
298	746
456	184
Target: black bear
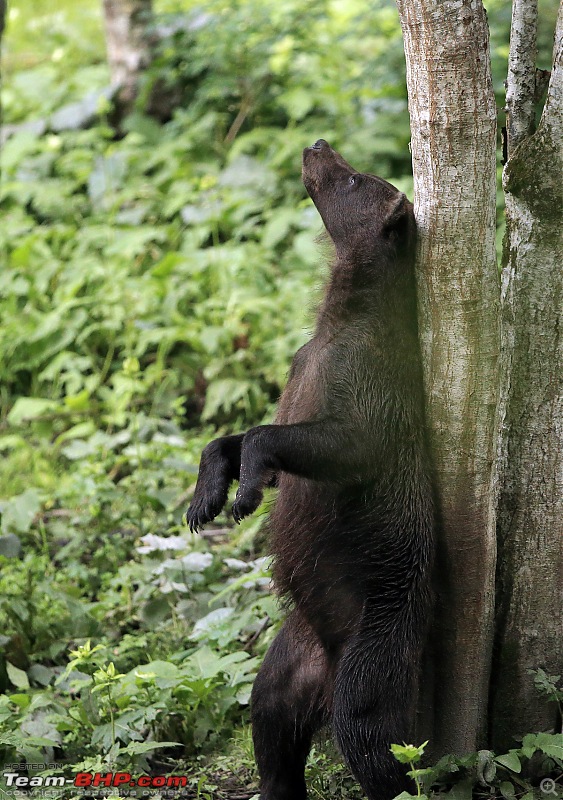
352	526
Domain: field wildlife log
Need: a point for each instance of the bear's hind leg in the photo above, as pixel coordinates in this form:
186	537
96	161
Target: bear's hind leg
371	710
290	700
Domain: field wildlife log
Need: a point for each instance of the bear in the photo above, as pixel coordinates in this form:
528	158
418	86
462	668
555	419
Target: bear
352	527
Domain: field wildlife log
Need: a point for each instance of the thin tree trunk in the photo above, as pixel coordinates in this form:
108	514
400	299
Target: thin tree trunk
2	23
521	79
453	124
530	624
127	43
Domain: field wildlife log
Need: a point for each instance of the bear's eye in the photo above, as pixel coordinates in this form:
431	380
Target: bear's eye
352	180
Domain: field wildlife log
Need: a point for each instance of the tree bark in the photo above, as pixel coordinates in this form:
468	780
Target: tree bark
2	17
521	79
2	23
127	43
453	124
530	519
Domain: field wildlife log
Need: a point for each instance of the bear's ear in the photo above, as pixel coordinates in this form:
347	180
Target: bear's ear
397	214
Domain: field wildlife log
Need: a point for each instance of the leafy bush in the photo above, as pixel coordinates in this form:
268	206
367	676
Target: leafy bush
524	772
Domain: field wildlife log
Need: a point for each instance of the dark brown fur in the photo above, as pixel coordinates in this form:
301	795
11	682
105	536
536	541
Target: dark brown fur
352	525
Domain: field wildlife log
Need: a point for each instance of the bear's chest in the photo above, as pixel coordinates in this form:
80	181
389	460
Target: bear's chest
302	398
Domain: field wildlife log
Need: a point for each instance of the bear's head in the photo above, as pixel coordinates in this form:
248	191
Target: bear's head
361	213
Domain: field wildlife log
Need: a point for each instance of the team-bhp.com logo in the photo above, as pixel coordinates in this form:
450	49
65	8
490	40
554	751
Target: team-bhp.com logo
107	779
95	779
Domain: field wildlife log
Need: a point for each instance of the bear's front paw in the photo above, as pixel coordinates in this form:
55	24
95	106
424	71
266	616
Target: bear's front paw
246	502
204	508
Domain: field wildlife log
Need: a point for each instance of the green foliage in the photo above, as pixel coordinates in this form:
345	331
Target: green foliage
524	772
53	54
550	687
411	755
178	316
114	695
321	65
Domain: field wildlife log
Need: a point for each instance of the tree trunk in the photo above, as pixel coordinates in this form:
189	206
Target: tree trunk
530	519
127	43
2	23
453	124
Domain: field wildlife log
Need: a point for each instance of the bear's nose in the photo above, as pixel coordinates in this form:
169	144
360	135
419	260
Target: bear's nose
319	144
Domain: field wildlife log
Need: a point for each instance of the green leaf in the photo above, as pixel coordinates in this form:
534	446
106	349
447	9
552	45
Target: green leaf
224	394
156	669
79	431
28	408
507	790
11	441
207	663
551	744
156	610
462	790
131	242
510	761
77	449
41	674
17	676
105	179
167	265
163	674
79	401
19	512
486	768
408	753
20	700
278	226
298	102
136	748
16	148
39	727
529	745
215	620
10	546
547	685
